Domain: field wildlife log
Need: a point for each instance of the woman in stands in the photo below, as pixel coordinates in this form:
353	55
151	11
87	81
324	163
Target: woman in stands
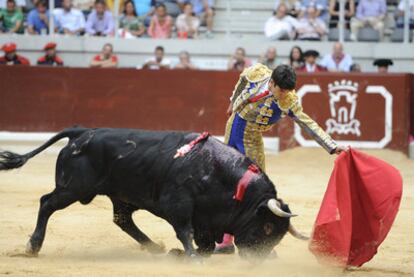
130	24
296	57
161	23
334	13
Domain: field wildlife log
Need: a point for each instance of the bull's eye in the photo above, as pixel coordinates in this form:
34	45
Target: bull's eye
268	228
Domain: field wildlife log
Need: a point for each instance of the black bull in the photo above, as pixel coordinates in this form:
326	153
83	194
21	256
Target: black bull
136	170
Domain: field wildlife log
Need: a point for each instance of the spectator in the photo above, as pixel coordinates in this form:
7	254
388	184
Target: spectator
311	27
203	9
338	60
185	62
19	3
69	21
100	21
238	61
161	23
106	58
12	18
187	24
173	7
369	13
334	13
38	19
400	13
383	65
50	57
11	57
355	68
270	58
293	6
130	24
296	57
321	7
281	25
310	65
158	61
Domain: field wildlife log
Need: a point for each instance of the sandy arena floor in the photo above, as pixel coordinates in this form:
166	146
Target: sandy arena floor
83	241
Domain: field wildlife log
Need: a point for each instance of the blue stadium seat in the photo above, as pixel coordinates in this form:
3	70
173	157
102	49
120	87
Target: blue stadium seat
368	34
398	35
334	34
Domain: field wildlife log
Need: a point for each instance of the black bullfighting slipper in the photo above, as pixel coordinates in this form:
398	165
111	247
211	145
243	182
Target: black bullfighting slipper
225	249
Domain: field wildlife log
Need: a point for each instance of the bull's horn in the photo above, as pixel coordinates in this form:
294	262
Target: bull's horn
274	207
296	233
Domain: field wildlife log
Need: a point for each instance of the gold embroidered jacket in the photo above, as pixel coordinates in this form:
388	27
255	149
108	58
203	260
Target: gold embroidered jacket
268	110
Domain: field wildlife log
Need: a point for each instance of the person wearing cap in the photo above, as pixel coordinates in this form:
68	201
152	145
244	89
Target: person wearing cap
338	61
50	57
310	65
383	65
38	19
10	56
260	99
12	18
310	27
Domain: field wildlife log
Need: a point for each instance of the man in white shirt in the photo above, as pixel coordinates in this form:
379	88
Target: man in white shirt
157	62
281	25
338	61
310	26
69	21
401	10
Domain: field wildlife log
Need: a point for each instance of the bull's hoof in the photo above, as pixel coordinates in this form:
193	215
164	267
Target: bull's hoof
31	250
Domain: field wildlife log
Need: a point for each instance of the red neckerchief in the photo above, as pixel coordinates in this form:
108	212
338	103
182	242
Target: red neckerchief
244	181
259	96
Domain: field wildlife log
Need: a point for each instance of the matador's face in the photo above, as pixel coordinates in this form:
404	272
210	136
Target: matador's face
278	93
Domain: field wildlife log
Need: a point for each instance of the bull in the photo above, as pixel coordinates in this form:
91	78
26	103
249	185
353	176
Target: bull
194	193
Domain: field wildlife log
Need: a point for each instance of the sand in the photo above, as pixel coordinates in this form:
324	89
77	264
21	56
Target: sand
83	241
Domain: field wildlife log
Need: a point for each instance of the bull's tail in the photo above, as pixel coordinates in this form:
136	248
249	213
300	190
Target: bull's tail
10	160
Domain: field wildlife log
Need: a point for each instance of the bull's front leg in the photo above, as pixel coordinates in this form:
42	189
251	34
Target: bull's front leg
186	234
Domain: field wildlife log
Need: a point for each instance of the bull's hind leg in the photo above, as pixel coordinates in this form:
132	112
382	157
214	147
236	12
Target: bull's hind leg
49	203
123	218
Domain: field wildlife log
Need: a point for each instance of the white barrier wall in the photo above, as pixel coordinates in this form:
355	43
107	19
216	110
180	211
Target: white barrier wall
207	54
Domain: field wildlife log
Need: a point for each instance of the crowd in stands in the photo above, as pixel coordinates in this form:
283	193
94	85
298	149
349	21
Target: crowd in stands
138	18
312	19
292	19
302	61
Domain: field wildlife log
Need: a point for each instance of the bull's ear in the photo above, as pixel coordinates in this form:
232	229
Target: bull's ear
262	208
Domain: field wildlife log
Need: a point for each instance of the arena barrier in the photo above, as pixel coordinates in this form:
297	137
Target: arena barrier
361	110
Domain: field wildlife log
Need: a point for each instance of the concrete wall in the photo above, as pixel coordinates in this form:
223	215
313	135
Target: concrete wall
207	54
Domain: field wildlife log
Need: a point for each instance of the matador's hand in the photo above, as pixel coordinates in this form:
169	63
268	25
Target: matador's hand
339	149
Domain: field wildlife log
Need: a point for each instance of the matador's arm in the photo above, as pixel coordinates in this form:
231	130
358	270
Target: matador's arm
312	128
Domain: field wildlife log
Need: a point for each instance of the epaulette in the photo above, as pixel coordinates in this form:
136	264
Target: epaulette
257	73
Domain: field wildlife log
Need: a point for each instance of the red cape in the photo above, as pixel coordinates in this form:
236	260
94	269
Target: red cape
358	209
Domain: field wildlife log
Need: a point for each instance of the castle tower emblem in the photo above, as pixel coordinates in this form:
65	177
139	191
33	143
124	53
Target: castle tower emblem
343	104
